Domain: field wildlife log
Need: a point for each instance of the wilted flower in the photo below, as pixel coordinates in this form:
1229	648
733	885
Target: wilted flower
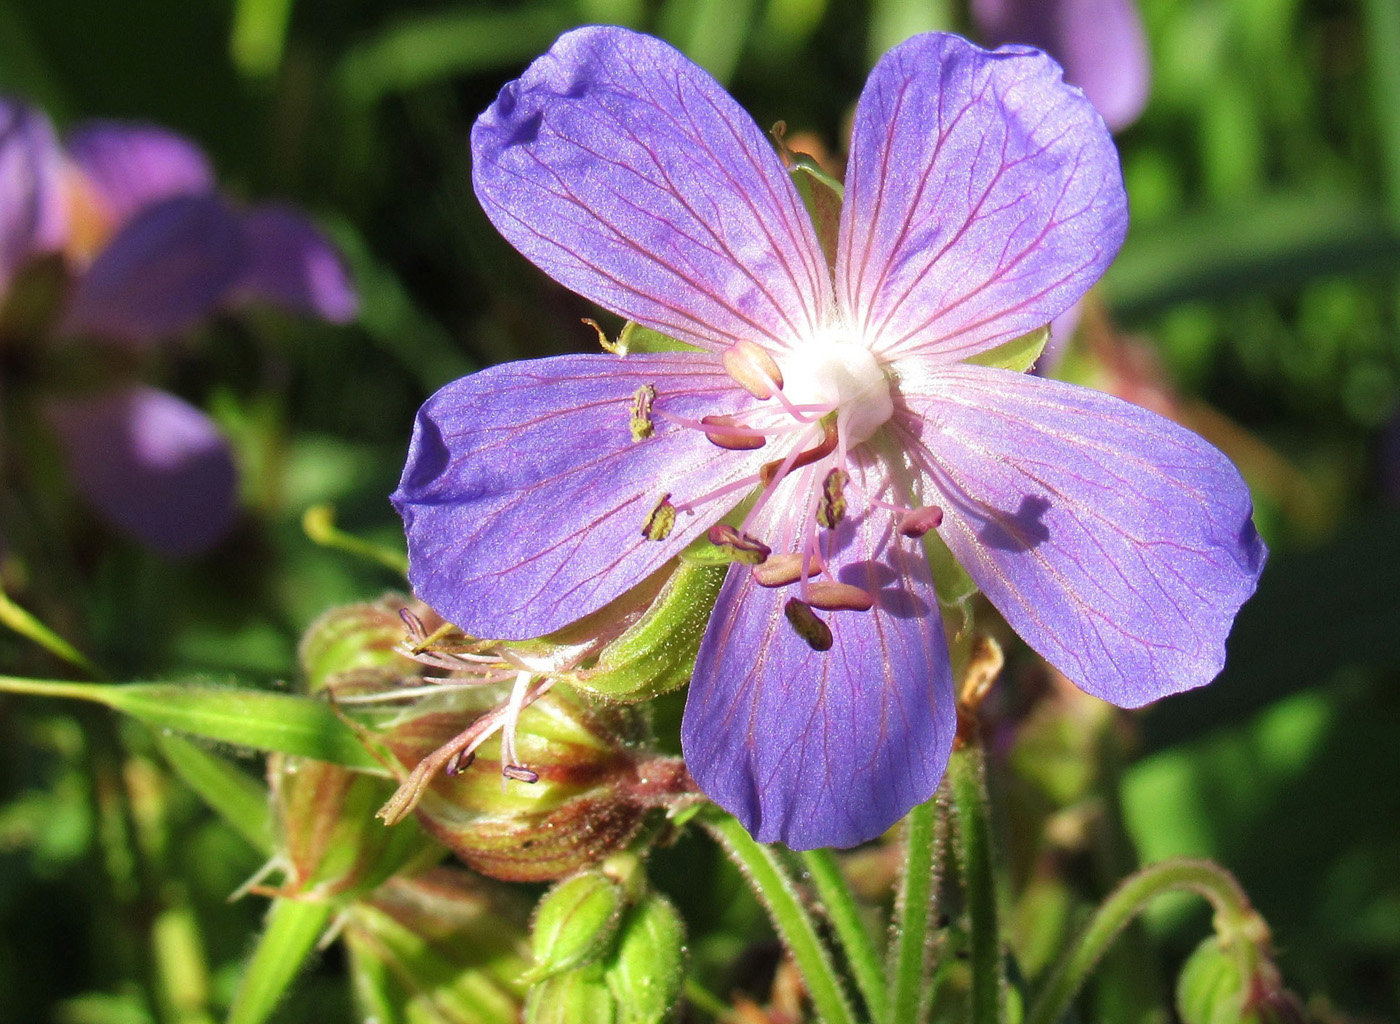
826	418
150	249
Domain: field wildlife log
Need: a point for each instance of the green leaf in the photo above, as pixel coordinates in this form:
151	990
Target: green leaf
228	790
293	926
1018	354
249	718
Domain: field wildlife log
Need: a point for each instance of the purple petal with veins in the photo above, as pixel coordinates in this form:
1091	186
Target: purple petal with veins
1101	44
629	175
982	199
31	205
293	265
155	466
825	748
1117	543
164	272
133	165
524	495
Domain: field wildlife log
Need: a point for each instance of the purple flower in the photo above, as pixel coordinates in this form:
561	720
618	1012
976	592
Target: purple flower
152	250
826	418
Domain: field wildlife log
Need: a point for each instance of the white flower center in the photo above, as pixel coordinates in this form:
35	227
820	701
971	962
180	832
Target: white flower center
842	374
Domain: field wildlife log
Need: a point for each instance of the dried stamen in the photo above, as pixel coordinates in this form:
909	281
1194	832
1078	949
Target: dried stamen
661	520
728	432
459	762
753	369
642	427
920	521
832	507
838	597
804	623
739	546
781	570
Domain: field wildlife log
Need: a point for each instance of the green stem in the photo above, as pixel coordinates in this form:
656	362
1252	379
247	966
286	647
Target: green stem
774	888
967	782
913	907
1233	914
856	940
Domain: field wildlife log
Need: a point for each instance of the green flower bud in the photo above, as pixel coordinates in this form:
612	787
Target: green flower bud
360	644
647	970
575	923
1233	981
442	948
579	996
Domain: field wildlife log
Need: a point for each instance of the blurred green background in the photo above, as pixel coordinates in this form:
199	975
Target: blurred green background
1261	279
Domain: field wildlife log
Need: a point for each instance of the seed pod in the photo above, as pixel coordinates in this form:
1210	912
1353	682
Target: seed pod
647	971
575	924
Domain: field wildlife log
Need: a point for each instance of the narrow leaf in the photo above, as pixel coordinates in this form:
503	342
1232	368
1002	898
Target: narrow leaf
235	797
285	945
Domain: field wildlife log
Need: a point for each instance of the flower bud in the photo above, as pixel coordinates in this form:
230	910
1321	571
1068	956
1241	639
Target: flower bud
358	643
579	996
647	970
1233	981
575	923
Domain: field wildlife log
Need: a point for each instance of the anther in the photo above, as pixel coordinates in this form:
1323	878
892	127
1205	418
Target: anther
459	762
739	546
753	369
661	520
838	597
731	434
811	455
520	773
804	623
832	507
781	570
920	521
642	427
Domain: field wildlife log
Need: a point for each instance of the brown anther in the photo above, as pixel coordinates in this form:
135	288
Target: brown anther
458	763
739	546
920	521
731	434
832	507
839	597
661	520
804	623
520	773
781	570
826	446
642	398
753	369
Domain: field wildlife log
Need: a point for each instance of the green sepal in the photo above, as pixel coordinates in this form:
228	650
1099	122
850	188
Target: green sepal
636	338
575	924
822	195
575	997
647	971
656	654
1018	354
954	586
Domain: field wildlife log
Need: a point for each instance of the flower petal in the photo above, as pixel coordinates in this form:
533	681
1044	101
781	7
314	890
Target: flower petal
31	210
524	495
1101	44
983	197
133	165
164	272
155	466
293	265
1117	543
628	174
825	748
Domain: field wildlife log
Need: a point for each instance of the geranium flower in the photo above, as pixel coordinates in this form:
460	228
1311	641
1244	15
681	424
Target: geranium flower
151	250
827	417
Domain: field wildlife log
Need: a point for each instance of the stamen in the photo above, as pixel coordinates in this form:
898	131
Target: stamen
661	520
782	467
753	369
728	432
920	521
642	398
832	507
514	705
804	623
782	570
459	762
739	546
838	597
520	773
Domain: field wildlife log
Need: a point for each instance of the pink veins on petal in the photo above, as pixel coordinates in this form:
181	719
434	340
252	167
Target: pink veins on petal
823	428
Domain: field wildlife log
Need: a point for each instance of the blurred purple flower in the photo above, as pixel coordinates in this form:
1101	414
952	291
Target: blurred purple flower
152	250
1100	43
826	418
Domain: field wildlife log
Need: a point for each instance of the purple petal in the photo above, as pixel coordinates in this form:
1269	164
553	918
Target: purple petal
825	748
155	467
983	197
132	166
1101	44
626	173
164	272
524	495
31	199
293	265
1118	544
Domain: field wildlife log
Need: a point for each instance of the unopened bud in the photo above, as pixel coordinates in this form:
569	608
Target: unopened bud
575	997
575	923
647	972
1234	982
357	643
